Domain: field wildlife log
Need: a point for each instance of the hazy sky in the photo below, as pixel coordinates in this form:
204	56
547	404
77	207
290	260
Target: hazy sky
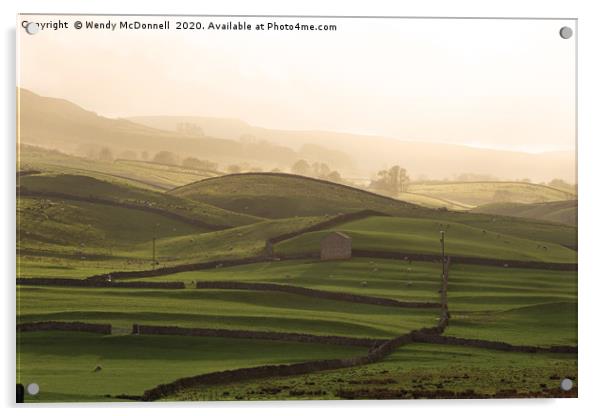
487	83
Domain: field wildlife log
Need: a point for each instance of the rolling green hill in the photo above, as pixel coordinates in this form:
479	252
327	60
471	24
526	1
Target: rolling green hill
410	235
64	238
95	190
137	173
277	195
479	193
563	212
62	363
430	201
238	242
63	226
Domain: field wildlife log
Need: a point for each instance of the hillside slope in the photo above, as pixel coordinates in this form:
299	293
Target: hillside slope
277	195
563	212
137	173
479	193
60	124
421	236
93	190
371	153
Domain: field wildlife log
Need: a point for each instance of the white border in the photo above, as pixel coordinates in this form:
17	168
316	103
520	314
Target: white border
590	135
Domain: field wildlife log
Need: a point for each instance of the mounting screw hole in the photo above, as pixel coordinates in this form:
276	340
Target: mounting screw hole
32	28
566	384
33	389
566	32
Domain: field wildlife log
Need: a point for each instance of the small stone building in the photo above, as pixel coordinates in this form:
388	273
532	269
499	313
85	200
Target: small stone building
335	246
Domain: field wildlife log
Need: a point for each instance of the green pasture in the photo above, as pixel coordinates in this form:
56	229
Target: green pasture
63	363
287	196
81	186
562	212
392	279
479	193
146	175
432	202
78	239
409	235
230	309
284	196
519	306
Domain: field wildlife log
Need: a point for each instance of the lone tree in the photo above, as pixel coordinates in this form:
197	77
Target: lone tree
393	180
320	170
334	176
166	158
301	167
194	163
105	154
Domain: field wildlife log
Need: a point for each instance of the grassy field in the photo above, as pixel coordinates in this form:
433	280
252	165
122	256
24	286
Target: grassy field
479	193
80	186
391	279
69	238
231	309
411	372
113	238
62	237
287	196
239	242
284	196
63	364
145	175
563	212
564	235
519	306
408	235
429	201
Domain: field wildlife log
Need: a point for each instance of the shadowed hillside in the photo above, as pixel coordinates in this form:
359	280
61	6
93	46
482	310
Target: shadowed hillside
88	189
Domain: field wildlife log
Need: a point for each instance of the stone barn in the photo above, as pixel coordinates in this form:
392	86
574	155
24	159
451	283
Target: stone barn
335	246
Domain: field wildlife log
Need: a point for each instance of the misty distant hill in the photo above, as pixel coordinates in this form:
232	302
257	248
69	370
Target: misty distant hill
60	124
372	153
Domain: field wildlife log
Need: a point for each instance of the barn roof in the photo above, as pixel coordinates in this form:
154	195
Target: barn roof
340	234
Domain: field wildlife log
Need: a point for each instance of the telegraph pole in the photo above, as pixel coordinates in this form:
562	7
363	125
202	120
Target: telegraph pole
444	312
155	246
442	252
154	253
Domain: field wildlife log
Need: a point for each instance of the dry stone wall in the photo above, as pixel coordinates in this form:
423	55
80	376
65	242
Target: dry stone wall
267	335
49	281
64	326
